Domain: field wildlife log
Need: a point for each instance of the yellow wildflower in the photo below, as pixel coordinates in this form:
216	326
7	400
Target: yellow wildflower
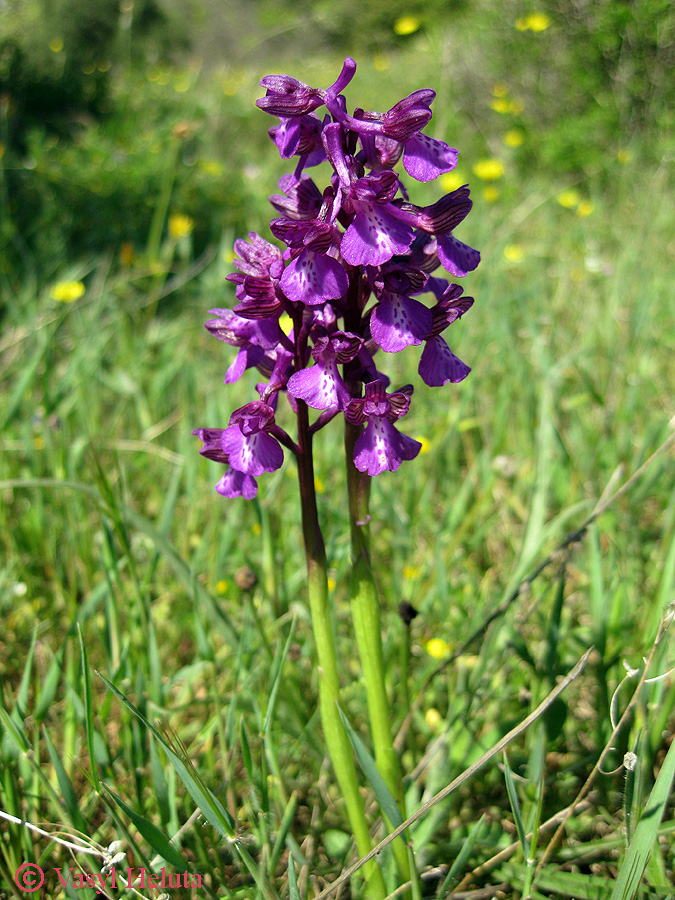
180	225
425	442
410	572
538	22
491	193
433	718
437	648
331	583
535	22
500	90
67	291
514	138
569	198
319	486
501	105
56	45
285	323
406	25
585	208
221	587
513	253
488	169
450	181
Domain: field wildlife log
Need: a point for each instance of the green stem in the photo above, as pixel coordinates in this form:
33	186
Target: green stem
335	735
366	617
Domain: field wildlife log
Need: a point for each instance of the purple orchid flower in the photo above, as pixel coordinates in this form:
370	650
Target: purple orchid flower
381	447
438	364
246	442
321	385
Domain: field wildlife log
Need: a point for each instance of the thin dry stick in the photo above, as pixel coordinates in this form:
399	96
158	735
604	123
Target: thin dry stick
665	622
564	547
468	773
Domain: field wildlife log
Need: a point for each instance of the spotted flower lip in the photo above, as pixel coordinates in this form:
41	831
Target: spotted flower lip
248	446
380	447
321	386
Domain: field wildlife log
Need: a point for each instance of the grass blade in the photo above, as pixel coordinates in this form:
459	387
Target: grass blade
646	833
515	809
293	892
153	835
384	798
214	812
66	786
88	710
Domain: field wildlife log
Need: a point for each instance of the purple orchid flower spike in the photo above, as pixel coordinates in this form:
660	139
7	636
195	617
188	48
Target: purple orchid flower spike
381	447
352	277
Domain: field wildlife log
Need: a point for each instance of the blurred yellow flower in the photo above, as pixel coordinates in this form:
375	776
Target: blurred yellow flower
425	442
450	181
516	106
319	486
514	137
211	167
534	22
513	253
624	156
501	105
256	529
488	169
285	323
491	193
180	225
569	198
433	718
437	648
585	208
410	572
331	583
182	84
500	90
380	62
538	21
56	45
67	291
221	587
406	25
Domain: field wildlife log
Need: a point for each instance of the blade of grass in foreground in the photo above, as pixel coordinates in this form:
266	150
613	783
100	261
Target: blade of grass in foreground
646	833
88	710
214	812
